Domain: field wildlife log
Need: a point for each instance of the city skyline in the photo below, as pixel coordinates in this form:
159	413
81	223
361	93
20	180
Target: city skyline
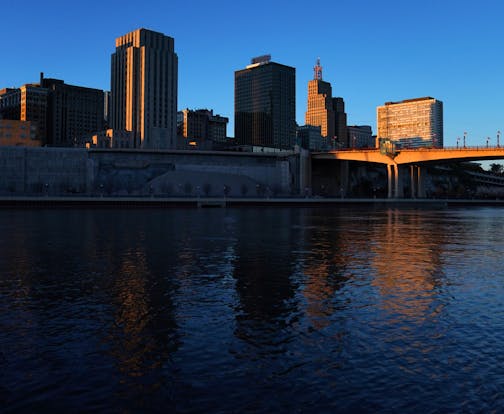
371	53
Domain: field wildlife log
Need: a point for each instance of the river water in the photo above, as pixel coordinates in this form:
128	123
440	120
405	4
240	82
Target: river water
252	310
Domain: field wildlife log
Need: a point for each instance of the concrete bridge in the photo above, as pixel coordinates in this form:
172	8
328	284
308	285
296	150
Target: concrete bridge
413	159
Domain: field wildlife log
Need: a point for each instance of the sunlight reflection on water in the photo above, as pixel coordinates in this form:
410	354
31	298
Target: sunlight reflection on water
235	310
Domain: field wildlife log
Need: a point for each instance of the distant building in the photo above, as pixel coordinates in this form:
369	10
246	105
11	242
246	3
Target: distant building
106	108
61	114
325	111
202	125
110	139
360	136
144	88
27	103
341	123
413	122
310	137
73	112
265	104
18	133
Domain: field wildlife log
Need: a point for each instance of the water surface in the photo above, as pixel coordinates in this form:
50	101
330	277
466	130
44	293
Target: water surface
252	310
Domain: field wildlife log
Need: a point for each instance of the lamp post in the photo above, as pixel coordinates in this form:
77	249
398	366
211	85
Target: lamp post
488	141
458	141
498	139
465	136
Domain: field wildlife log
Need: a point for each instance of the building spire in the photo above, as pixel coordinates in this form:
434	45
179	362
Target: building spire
317	71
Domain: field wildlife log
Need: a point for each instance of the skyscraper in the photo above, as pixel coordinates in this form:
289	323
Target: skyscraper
265	104
325	111
144	88
413	122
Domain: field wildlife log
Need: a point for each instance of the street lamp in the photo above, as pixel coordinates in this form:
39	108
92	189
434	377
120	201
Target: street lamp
458	140
465	135
488	140
498	139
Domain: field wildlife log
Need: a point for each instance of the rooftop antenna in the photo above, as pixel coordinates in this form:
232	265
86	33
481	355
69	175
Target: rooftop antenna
317	71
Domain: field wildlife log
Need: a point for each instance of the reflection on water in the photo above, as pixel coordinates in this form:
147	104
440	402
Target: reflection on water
236	310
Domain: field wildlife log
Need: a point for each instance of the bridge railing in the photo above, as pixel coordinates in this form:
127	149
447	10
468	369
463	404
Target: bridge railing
454	148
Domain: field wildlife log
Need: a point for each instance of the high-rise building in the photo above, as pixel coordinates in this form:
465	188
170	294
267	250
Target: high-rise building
27	103
412	122
325	111
144	88
73	112
265	104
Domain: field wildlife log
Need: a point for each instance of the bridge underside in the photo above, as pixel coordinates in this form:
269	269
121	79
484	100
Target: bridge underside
410	164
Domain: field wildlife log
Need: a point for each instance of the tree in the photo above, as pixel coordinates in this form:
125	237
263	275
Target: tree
496	169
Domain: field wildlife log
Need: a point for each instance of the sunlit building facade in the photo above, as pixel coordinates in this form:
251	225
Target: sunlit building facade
325	111
27	103
265	104
18	133
412	122
144	80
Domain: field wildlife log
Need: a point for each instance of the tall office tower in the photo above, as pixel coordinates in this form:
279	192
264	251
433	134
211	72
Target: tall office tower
325	111
27	103
144	88
265	104
412	122
73	112
320	111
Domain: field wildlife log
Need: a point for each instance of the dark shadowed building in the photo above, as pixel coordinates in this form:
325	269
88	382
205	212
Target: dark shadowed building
265	104
72	112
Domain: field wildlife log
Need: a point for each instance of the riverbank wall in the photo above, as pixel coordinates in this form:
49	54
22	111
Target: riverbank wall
101	172
220	202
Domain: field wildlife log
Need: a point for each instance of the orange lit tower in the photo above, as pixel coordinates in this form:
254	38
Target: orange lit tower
325	111
144	88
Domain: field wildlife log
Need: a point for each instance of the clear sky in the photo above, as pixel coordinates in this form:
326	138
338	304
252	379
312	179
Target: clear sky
371	51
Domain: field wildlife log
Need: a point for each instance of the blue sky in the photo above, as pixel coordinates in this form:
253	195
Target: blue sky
371	51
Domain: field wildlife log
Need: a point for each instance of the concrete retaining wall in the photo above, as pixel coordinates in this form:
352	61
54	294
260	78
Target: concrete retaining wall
59	171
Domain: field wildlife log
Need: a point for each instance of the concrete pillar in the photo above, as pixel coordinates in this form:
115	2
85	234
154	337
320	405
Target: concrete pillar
305	170
421	182
396	181
413	181
344	172
389	180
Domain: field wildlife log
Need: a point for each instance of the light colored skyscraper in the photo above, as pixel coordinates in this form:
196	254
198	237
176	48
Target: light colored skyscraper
144	88
412	122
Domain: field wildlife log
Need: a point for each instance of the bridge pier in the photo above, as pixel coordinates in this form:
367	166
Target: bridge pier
393	180
417	182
